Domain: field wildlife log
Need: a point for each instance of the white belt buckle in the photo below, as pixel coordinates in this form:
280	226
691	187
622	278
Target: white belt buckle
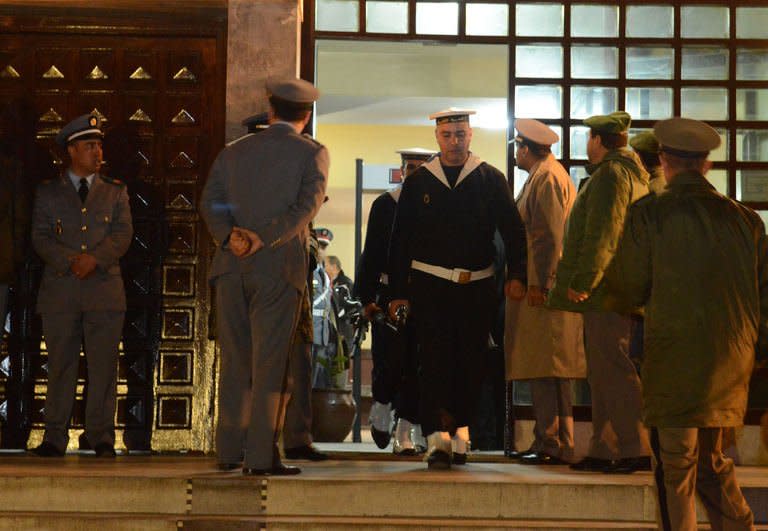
461	276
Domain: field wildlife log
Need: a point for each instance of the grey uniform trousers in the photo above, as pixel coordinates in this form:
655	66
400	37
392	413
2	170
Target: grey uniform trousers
257	316
617	430
689	461
552	409
99	333
298	416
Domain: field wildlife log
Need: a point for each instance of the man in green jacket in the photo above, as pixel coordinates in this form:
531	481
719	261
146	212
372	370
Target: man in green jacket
698	262
619	441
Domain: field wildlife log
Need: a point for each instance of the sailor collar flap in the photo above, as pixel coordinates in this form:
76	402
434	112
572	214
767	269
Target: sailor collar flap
436	169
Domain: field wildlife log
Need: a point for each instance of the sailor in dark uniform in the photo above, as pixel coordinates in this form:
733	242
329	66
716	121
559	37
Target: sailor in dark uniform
394	372
441	263
81	226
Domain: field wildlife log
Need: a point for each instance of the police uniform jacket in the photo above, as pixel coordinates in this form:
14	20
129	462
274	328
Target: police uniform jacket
454	227
373	260
272	183
594	228
698	262
556	348
63	226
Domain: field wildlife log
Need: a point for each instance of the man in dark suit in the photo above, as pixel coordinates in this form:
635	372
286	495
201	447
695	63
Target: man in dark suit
261	194
81	226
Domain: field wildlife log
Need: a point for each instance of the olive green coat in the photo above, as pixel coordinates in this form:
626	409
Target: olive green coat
594	228
697	261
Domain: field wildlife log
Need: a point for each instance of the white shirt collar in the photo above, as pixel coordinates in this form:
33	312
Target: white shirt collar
76	180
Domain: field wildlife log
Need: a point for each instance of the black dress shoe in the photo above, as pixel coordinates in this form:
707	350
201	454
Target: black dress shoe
591	464
381	438
439	460
308	452
408	452
541	458
513	454
47	449
279	470
459	459
225	467
628	465
105	450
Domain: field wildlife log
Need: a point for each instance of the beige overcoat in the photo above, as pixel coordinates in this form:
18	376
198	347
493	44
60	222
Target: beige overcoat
540	342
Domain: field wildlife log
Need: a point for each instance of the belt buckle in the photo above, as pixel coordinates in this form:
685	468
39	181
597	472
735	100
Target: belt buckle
464	277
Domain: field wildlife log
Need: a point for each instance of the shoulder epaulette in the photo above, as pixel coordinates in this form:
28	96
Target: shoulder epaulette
313	139
111	180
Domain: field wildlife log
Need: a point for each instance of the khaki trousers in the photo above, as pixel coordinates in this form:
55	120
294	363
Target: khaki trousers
553	430
689	461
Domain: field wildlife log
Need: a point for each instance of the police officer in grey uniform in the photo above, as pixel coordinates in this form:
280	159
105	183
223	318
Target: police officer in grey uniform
324	336
261	194
81	226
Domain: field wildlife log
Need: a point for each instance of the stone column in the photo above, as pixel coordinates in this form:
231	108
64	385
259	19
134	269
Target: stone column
263	42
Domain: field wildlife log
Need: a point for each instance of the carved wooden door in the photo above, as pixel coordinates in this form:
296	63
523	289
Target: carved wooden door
161	101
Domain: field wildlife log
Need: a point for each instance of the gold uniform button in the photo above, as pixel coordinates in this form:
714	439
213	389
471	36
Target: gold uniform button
83	247
83	210
84	228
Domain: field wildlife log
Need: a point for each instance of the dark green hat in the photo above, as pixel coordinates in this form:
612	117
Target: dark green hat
614	123
686	138
257	122
293	90
645	142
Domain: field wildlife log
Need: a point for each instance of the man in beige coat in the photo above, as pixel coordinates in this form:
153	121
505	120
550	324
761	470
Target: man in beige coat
544	346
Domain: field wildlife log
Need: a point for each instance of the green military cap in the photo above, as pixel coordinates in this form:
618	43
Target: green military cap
614	123
83	127
257	122
293	90
645	142
685	137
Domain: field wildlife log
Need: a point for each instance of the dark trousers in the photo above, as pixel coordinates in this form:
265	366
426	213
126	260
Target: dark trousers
65	333
395	369
453	323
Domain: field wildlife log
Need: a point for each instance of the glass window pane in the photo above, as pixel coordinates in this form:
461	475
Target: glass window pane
650	63
751	22
600	62
752	185
650	21
538	101
704	21
588	101
539	20
594	21
487	19
649	103
337	15
719	179
721	153
386	17
577	174
579	136
752	104
704	103
752	63
700	62
752	145
433	18
539	61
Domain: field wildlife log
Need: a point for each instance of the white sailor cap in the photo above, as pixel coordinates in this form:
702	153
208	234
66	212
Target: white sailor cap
535	131
451	115
81	128
415	153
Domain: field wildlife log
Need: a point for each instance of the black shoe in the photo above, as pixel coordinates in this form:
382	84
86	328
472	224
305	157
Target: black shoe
83	443
540	458
47	449
381	438
105	450
513	454
308	452
226	467
628	465
278	470
459	459
408	452
591	464
439	460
